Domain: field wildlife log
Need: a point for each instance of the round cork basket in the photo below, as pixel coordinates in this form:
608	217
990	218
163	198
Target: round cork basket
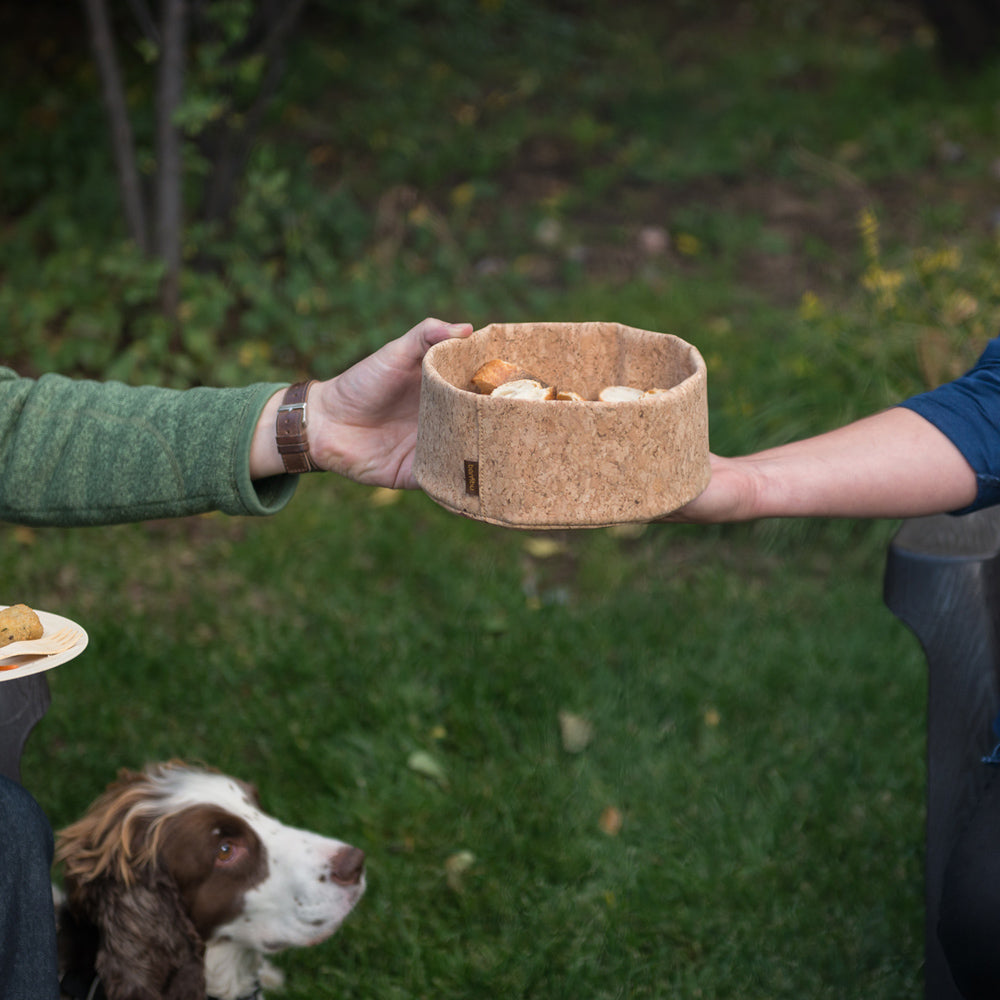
564	464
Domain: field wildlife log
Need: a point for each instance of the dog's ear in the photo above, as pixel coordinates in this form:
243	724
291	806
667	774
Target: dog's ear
109	837
148	947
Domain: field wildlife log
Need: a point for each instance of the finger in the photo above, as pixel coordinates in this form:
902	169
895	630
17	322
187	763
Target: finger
409	350
432	331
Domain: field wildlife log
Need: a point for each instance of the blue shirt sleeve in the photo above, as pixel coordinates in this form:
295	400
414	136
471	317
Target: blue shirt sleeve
967	411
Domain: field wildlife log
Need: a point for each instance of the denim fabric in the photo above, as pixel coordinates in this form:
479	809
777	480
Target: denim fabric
28	953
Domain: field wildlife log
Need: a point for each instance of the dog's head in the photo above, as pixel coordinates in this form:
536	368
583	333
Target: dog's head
175	861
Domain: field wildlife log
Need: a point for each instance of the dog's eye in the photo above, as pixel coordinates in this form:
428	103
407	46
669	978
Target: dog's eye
225	851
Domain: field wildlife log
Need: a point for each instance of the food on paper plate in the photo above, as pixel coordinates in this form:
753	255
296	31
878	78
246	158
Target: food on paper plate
524	388
17	623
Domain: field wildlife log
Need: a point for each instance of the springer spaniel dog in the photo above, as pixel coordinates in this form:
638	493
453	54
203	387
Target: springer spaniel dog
177	885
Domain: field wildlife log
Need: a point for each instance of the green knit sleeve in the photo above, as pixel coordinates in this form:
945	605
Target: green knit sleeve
78	452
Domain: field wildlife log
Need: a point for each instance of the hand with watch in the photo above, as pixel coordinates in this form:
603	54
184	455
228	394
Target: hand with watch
361	424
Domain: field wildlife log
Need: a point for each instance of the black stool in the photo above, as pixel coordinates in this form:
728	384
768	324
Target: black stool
942	580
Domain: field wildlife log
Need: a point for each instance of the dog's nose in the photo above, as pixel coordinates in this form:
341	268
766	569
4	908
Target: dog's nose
347	866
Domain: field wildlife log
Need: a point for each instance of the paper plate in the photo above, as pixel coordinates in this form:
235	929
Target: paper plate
22	666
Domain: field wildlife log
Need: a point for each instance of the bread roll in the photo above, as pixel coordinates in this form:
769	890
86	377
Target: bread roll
619	394
524	388
498	374
495	373
19	622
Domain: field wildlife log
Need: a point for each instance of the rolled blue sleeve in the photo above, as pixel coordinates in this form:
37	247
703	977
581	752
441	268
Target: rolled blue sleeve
967	411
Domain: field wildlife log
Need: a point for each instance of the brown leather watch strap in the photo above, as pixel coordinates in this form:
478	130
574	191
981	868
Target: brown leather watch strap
290	429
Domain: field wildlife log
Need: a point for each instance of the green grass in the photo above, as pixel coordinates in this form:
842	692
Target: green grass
758	714
757	722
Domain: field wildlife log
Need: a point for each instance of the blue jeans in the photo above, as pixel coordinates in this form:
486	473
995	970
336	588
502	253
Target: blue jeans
28	952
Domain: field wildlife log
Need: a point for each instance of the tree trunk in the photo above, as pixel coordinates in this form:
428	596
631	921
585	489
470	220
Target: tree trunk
170	172
227	147
122	142
968	30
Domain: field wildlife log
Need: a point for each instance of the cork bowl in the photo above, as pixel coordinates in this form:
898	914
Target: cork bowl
528	463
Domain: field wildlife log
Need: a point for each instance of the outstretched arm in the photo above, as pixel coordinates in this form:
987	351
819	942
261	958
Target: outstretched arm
363	422
76	452
893	464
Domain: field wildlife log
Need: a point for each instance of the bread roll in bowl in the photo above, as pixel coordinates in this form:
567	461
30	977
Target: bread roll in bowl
489	377
524	388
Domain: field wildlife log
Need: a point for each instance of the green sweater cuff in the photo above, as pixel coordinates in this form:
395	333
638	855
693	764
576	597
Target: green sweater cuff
77	452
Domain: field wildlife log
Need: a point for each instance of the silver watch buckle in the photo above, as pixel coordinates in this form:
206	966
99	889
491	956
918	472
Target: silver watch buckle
289	407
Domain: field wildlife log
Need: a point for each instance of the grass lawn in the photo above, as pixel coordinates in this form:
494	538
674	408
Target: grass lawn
743	815
744	821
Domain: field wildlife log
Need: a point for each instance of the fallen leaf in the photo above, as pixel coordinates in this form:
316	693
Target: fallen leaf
24	535
628	532
543	548
611	821
424	764
548	232
382	496
456	866
576	732
653	240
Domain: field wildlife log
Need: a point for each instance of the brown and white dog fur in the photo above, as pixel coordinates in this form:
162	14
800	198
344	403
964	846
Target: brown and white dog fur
177	885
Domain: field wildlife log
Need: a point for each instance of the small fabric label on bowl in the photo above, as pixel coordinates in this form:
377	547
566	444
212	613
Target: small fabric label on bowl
471	478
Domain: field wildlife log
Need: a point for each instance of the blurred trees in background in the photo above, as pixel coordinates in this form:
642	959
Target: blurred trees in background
218	65
968	31
179	207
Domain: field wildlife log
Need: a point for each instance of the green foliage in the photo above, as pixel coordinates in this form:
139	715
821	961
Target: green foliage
918	317
659	165
381	190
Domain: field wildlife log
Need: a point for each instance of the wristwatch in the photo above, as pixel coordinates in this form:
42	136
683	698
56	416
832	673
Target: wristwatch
290	429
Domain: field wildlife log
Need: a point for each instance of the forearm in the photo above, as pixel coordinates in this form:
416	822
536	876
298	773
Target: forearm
893	464
80	452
